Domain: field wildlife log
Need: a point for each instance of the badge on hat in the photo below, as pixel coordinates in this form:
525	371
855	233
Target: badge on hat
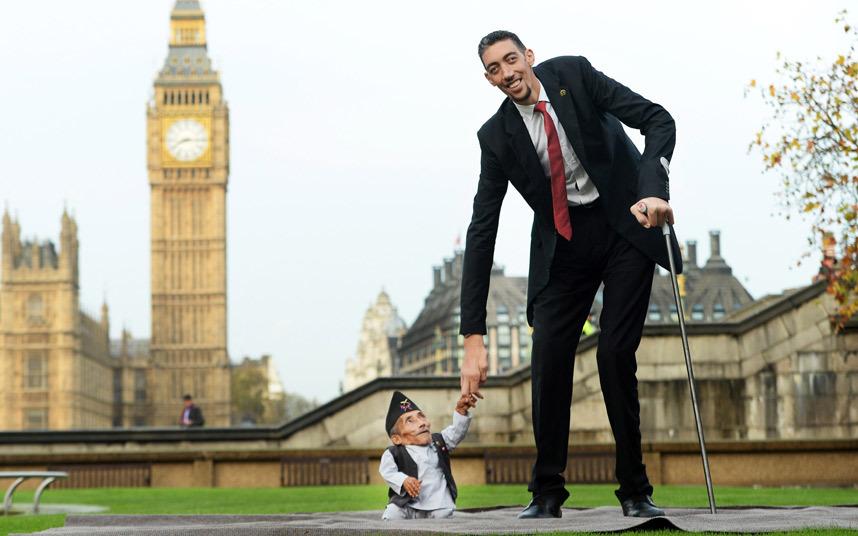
399	405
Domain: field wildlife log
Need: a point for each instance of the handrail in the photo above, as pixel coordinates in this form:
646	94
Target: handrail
20	476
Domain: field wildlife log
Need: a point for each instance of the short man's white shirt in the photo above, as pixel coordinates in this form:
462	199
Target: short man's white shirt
580	189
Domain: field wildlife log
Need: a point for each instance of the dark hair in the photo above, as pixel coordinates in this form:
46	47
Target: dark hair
187	397
494	37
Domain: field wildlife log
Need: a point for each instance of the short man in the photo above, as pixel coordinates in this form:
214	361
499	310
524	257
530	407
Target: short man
598	207
191	415
417	466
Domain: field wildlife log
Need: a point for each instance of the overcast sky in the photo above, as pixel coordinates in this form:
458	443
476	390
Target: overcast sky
354	154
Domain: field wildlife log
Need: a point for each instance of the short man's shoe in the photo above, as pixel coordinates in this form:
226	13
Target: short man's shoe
641	507
542	507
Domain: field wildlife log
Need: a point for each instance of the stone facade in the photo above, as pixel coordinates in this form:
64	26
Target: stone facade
55	366
433	346
381	331
188	163
132	379
776	371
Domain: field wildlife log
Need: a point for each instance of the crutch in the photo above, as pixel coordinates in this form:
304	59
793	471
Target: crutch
666	231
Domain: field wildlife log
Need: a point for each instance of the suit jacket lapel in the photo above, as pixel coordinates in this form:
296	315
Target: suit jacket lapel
521	143
561	101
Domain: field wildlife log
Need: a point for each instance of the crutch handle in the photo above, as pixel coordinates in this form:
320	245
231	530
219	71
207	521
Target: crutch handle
665	163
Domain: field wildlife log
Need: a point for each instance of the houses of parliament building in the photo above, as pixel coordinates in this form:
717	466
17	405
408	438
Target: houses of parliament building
60	368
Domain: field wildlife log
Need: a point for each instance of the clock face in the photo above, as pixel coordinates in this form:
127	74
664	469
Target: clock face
187	140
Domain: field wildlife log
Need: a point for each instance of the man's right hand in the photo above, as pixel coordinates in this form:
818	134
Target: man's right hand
475	366
412	486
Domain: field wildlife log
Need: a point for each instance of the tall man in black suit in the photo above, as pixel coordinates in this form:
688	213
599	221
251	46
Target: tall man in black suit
598	206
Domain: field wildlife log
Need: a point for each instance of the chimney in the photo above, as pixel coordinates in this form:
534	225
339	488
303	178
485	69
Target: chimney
436	276
691	246
716	262
715	243
448	270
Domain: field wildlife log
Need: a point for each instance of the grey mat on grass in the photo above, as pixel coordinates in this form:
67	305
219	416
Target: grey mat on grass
486	521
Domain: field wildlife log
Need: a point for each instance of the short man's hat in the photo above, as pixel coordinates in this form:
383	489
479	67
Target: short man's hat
399	405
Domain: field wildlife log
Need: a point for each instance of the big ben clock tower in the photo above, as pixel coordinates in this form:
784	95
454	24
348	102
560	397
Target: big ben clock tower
188	160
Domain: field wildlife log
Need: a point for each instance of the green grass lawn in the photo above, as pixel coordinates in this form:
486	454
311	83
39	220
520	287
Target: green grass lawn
345	498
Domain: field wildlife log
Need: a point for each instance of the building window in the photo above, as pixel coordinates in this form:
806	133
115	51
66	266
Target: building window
524	343
769	392
35	371
504	358
697	311
815	391
36	419
35	308
139	386
522	316
504	338
852	381
674	317
502	314
654	313
718	311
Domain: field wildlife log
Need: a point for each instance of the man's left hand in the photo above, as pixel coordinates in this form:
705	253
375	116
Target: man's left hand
652	212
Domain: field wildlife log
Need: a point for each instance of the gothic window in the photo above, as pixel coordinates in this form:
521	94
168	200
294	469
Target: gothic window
140	386
36	419
35	371
697	311
35	308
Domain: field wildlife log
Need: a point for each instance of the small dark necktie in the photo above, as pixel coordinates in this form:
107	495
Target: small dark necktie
558	176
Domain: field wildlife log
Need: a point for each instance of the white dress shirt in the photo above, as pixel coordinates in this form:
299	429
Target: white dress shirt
434	493
580	190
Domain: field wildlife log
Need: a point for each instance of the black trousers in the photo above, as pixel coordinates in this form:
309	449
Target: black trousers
595	254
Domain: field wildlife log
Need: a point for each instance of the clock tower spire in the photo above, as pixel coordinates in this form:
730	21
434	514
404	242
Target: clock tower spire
188	168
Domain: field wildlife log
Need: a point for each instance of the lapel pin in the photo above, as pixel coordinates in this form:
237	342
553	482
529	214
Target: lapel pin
562	92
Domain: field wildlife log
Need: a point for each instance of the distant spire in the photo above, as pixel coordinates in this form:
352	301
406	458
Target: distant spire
187	24
187	5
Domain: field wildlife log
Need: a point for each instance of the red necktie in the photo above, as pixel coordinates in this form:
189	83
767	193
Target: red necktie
558	176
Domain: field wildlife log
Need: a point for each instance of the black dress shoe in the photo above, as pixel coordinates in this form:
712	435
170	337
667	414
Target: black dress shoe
641	507
542	507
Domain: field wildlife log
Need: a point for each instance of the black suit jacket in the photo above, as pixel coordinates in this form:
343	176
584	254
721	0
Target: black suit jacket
195	416
590	107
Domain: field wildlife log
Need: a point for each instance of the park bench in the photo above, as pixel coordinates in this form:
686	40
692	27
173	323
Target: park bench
20	476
